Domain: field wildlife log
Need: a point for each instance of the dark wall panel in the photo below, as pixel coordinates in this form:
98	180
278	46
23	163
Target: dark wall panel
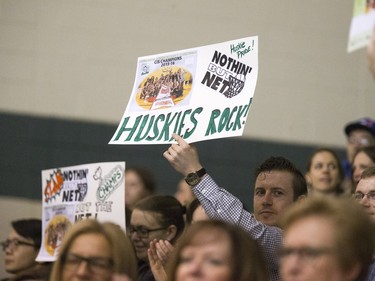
30	144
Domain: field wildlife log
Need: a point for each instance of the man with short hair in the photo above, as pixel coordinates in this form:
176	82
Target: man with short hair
278	184
365	195
365	191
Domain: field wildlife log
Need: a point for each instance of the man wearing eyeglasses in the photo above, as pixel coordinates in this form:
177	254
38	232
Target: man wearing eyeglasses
365	195
365	191
22	245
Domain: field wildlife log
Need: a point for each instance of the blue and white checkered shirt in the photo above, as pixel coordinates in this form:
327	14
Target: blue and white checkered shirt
221	205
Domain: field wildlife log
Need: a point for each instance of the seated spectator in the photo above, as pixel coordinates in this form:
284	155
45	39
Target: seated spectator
21	249
215	250
277	186
155	218
139	184
183	193
324	172
359	133
195	212
95	251
365	191
364	158
326	238
365	195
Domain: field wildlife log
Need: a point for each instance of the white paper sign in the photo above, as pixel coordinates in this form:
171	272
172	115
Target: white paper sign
201	93
71	194
362	25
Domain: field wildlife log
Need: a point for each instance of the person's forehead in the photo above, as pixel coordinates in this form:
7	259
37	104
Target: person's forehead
14	235
208	236
319	228
366	185
274	178
360	133
361	157
143	218
323	156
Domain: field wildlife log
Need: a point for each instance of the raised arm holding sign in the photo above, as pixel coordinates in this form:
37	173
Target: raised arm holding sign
278	184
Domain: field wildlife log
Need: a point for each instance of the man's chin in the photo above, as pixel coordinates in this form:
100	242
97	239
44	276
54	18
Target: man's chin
141	255
268	219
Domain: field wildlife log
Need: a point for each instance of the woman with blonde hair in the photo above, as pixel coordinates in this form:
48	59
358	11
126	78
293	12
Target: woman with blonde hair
95	251
216	250
326	238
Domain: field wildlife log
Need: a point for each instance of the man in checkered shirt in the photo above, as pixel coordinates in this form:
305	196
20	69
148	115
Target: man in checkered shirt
278	184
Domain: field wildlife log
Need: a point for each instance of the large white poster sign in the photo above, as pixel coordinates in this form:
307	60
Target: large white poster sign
201	93
362	24
71	194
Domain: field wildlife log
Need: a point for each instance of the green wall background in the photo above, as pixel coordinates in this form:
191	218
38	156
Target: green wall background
30	144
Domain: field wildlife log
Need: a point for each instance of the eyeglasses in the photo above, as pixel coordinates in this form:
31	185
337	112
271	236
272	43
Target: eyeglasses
142	232
14	243
96	265
304	253
359	195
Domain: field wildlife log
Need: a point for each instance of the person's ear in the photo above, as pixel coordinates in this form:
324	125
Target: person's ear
354	271
308	178
171	232
301	198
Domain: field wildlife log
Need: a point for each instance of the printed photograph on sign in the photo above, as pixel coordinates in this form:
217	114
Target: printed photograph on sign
163	82
164	87
59	218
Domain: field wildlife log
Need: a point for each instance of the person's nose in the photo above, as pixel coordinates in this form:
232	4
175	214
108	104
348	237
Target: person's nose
8	250
326	169
83	269
134	236
267	199
365	202
290	266
195	268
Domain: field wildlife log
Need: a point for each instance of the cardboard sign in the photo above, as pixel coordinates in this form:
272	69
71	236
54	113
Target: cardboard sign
201	93
71	194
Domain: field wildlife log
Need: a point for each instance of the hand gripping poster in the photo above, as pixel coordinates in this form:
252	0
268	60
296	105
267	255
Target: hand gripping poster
71	194
200	94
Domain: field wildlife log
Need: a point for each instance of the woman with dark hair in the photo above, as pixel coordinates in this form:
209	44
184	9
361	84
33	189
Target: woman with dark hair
324	172
154	218
21	249
363	158
195	212
139	184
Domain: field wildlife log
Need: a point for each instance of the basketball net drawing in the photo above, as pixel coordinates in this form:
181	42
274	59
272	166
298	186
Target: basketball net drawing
236	85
